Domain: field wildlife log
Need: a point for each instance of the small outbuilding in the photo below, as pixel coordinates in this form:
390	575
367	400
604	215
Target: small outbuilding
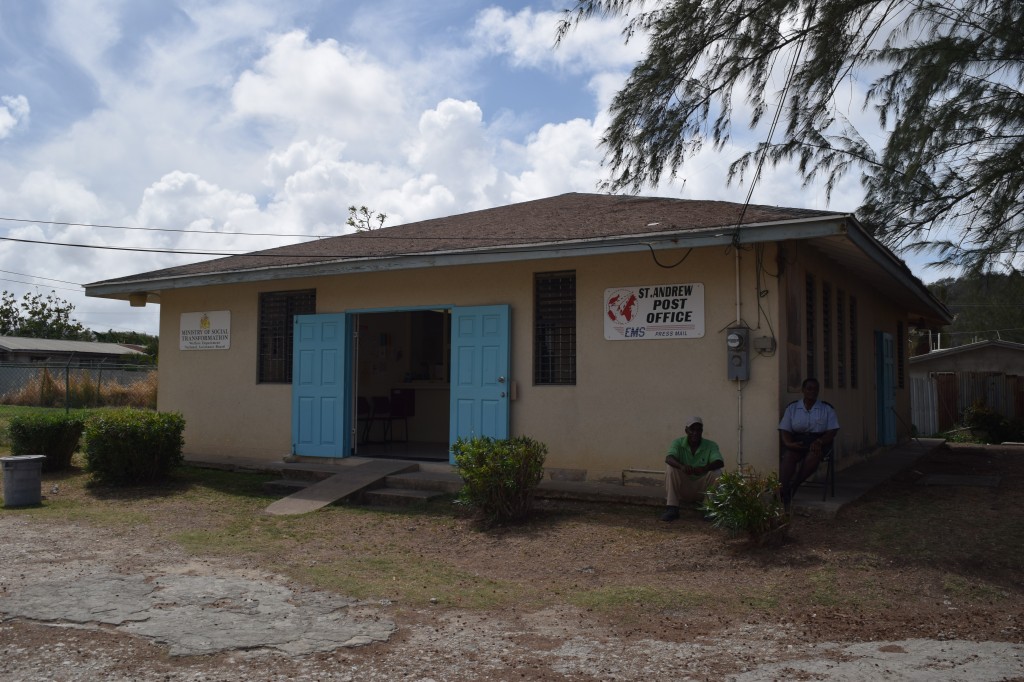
594	323
19	349
948	381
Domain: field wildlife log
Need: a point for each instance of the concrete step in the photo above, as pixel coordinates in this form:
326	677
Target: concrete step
425	480
398	497
353	481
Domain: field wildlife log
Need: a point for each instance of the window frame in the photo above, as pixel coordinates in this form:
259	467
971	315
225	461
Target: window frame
554	328
276	311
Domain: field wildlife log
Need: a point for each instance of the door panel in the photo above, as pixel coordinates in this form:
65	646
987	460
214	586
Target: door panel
319	422
480	364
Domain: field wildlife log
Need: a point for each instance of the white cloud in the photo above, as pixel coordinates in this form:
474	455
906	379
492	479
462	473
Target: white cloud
13	113
323	88
453	147
528	39
560	158
48	195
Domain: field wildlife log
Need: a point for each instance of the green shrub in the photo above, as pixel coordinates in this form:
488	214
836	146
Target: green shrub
54	435
747	503
499	475
127	447
988	426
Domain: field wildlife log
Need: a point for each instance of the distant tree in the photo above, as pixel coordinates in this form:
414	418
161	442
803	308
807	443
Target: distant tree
947	89
148	341
10	314
988	306
364	219
36	316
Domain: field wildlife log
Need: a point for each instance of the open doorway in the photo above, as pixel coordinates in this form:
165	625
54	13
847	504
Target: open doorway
401	384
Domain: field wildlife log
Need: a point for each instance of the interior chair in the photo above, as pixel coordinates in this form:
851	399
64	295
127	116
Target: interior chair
402	407
364	417
381	412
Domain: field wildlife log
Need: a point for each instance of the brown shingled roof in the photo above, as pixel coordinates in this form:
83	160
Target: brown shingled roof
565	218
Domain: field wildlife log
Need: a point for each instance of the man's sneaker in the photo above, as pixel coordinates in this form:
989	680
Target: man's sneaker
671	514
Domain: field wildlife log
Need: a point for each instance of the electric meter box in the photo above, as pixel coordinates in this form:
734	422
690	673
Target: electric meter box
737	343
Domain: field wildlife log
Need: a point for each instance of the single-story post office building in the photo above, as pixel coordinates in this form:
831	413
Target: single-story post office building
594	323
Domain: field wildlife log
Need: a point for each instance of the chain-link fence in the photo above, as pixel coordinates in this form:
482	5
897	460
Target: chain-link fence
61	385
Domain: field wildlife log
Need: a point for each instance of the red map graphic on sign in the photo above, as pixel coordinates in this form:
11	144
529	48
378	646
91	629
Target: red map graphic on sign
622	306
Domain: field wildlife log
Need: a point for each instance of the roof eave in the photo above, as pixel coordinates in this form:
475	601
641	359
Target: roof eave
716	236
936	312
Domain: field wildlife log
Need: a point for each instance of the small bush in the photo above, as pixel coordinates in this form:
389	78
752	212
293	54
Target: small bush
54	435
988	426
500	475
127	447
747	503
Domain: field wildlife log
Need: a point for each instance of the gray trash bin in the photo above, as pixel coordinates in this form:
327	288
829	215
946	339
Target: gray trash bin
23	483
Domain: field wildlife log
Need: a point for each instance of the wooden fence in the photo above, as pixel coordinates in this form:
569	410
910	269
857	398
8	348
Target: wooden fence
938	401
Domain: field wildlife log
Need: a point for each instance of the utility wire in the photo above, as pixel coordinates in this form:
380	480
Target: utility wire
51	279
37	284
542	246
159	229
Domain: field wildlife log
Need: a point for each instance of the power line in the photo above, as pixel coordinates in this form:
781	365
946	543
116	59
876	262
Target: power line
51	279
509	242
158	229
126	248
36	284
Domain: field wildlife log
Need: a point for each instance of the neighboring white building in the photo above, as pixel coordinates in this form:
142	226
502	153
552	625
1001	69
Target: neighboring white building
23	349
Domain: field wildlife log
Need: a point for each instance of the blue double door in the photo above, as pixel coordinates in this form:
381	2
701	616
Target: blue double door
322	385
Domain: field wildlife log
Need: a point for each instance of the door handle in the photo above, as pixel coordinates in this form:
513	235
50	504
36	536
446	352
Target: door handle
501	380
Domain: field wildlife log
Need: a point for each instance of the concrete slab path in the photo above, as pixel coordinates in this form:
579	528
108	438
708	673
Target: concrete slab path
352	480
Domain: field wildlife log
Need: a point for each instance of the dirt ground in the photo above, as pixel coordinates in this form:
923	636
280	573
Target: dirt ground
914	581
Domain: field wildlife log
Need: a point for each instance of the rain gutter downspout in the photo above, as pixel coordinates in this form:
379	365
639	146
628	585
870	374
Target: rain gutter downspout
739	384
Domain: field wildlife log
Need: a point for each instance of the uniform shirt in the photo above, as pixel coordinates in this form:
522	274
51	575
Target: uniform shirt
819	419
707	452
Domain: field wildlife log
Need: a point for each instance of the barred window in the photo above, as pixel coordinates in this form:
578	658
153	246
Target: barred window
277	311
840	338
809	345
554	328
826	333
853	342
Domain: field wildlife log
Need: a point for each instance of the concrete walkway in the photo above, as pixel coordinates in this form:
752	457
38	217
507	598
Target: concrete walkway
852	482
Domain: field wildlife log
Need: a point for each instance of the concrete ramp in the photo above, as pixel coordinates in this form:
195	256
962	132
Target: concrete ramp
340	485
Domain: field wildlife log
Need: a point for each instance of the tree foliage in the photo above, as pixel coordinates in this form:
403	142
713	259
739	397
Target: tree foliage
36	316
945	83
988	306
365	219
148	341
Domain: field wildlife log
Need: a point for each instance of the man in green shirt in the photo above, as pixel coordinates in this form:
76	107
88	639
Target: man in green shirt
692	466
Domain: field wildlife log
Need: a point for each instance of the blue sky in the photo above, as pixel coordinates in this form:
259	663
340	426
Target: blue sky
272	117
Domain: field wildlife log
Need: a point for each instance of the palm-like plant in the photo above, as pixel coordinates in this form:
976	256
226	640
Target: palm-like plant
748	503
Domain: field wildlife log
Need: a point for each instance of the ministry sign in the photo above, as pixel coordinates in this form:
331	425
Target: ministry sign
661	311
205	331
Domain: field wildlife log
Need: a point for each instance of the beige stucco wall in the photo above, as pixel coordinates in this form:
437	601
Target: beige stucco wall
856	406
629	400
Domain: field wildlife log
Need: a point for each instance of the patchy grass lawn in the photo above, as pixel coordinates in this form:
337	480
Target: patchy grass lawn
907	561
